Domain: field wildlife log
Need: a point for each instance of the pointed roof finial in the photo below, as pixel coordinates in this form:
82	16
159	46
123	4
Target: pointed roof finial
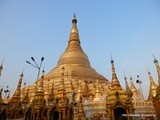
115	82
74	19
153	87
112	61
125	78
74	15
21	75
158	68
148	70
74	29
132	86
152	83
155	60
128	90
18	89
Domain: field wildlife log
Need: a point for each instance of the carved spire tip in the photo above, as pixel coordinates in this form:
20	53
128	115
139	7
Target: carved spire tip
74	19
112	61
155	60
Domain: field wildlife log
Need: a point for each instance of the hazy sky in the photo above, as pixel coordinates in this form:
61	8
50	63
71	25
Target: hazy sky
127	29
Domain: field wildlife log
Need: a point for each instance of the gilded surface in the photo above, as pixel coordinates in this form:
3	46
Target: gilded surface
73	90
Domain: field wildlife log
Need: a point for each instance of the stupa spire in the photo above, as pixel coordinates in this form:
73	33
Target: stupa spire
74	34
128	90
132	86
74	53
157	67
126	83
153	87
115	82
18	89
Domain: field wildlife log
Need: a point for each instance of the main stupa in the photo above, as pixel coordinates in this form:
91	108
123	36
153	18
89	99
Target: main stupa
75	63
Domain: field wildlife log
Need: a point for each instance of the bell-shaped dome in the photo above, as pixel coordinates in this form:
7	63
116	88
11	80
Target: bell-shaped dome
75	61
74	53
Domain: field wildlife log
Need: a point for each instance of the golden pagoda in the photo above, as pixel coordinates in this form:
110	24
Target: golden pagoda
73	90
118	105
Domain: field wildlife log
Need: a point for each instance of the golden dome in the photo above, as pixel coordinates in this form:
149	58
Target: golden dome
75	61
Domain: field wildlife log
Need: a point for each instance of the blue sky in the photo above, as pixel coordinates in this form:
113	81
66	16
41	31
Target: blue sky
127	29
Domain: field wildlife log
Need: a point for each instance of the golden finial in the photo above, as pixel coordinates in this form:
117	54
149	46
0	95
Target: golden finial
74	19
111	58
74	28
115	82
113	68
158	68
18	89
127	86
132	86
155	60
128	90
153	86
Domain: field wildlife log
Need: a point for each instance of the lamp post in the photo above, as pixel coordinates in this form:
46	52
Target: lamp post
139	82
34	64
6	91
